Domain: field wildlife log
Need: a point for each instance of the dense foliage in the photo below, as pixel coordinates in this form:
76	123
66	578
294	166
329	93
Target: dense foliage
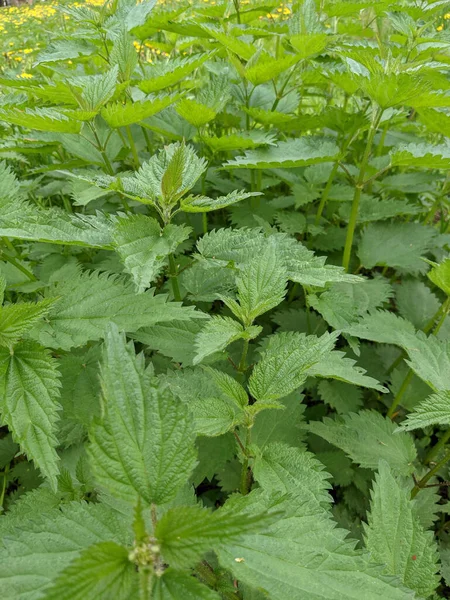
225	282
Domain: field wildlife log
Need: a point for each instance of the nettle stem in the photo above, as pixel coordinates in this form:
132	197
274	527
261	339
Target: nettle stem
246	474
326	192
442	313
434	451
426	478
376	117
174	278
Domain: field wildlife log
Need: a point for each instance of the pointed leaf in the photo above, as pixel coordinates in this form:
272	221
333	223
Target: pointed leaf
29	392
144	444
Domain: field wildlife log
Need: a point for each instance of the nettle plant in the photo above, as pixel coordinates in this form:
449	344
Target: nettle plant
225	283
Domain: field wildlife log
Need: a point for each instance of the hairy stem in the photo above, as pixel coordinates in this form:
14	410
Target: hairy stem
132	147
434	451
399	395
243	362
326	192
377	113
426	478
17	264
174	278
245	472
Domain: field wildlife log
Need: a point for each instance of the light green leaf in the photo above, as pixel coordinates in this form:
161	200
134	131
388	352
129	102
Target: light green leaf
343	397
144	444
309	44
174	339
440	275
421	155
144	247
395	537
416	302
16	319
287	559
196	204
429	358
229	386
337	366
88	302
366	437
397	245
121	115
194	112
174	585
98	89
29	392
435	410
263	67
150	176
186	533
215	412
23	220
237	46
285	362
293	153
288	427
384	327
162	75
27	558
216	335
281	468
137	15
239	141
102	571
261	285
42	119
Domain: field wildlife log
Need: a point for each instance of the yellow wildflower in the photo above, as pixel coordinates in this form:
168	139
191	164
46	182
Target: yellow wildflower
440	28
447	16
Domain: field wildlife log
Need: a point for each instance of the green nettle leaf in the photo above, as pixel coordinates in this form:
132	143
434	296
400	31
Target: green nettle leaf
396	245
29	553
337	366
162	75
196	204
287	560
176	584
29	393
435	410
144	246
261	285
88	302
23	220
16	319
215	409
395	537
121	115
421	155
429	358
285	362
239	141
186	533
42	119
217	334
101	571
366	437
293	153
440	275
143	446
152	174
97	90
174	340
263	67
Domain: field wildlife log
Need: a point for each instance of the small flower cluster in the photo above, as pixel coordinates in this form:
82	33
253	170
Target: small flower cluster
441	26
